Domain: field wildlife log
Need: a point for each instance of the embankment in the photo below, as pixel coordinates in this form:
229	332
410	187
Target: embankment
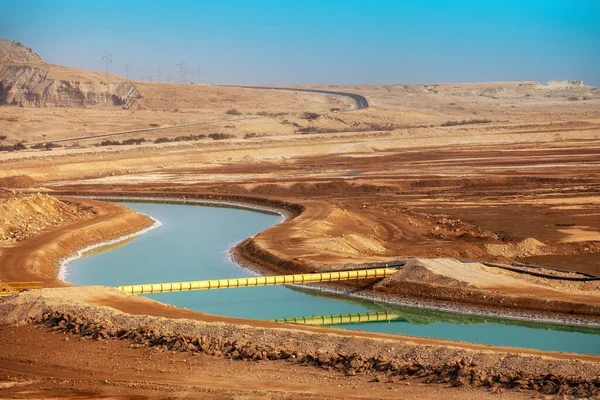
394	358
38	257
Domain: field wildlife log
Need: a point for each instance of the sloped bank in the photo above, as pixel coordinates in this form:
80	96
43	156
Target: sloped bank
39	257
410	291
390	360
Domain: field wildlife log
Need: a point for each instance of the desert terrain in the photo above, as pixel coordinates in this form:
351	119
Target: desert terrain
435	174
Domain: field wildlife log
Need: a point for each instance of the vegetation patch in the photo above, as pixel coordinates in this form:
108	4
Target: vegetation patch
221	136
122	143
467	122
310	116
14	147
46	146
188	138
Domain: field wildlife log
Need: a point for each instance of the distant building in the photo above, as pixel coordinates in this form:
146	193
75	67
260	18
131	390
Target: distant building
564	84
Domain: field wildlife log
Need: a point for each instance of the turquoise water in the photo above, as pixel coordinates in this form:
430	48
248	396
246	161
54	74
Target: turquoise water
193	244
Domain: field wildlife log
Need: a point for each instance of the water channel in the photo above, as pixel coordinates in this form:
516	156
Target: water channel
193	244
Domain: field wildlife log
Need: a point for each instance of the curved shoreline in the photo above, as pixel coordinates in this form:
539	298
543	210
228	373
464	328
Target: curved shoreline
63	263
287	215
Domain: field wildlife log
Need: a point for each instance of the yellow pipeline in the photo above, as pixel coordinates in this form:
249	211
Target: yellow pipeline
15	287
339	319
258	281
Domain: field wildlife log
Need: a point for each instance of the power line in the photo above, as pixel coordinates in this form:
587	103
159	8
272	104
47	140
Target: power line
182	71
108	59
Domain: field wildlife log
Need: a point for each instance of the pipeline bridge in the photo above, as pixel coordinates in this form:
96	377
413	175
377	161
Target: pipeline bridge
7	288
231	283
342	319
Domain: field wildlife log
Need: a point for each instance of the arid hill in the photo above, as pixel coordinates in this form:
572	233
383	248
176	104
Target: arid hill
26	80
16	53
24	215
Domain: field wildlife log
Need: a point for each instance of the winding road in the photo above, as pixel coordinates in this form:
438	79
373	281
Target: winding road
361	101
361	104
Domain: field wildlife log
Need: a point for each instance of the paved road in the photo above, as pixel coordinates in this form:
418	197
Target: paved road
361	101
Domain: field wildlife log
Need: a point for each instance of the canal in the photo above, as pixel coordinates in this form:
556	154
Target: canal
193	243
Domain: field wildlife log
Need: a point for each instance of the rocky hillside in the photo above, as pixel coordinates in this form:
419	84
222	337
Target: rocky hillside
27	81
24	215
15	53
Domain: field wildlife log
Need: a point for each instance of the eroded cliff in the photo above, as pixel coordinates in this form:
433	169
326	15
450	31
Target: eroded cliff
27	81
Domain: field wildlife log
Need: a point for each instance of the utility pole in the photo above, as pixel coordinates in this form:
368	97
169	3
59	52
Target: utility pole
108	59
182	71
158	73
127	71
142	75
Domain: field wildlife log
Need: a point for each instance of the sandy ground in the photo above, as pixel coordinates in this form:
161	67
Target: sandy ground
112	369
384	183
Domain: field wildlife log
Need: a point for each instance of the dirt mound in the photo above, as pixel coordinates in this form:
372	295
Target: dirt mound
17	181
416	271
23	216
351	244
525	248
331	187
14	52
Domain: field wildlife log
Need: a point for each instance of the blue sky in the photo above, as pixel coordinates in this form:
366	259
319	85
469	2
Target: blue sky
310	41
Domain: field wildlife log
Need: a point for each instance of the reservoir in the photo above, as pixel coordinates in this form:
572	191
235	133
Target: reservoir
193	243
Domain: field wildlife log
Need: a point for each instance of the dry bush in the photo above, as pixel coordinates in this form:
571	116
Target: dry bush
188	138
14	147
467	122
310	116
221	136
109	142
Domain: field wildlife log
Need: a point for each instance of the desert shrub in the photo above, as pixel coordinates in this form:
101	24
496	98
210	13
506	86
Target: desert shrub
310	116
133	141
307	130
46	146
154	125
254	135
286	122
188	138
233	111
366	128
467	122
221	136
271	114
2	137
110	143
124	142
13	147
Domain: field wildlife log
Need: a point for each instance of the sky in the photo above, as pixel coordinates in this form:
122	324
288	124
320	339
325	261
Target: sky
312	41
